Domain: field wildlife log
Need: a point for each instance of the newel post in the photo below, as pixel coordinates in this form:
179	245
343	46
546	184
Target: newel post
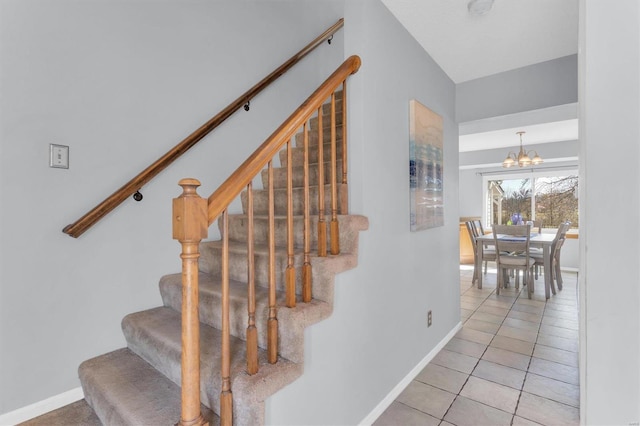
190	225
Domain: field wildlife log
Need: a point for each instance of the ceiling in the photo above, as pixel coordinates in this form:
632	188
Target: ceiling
513	34
557	131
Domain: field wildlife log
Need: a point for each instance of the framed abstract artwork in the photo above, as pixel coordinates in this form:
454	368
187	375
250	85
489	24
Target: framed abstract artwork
426	163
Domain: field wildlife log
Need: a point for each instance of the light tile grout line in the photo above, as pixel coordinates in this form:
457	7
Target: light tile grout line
531	360
529	365
485	350
521	390
519	295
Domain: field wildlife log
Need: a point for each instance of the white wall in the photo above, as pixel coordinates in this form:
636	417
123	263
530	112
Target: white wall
610	242
121	83
378	330
470	193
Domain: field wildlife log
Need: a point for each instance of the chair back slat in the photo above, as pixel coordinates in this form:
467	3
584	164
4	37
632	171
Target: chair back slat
512	238
560	235
472	232
478	225
512	248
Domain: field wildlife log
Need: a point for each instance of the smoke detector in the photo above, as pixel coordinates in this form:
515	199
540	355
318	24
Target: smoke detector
479	7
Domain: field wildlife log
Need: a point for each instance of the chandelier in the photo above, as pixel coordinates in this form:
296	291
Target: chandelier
523	159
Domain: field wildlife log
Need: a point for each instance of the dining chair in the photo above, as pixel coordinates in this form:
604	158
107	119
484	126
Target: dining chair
472	236
557	274
537	225
512	246
489	250
488	253
478	225
554	253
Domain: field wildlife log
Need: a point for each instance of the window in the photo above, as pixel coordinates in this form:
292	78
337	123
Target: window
551	198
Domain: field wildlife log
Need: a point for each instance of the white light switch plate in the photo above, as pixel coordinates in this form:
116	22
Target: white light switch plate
59	156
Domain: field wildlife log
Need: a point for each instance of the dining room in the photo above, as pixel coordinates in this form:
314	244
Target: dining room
519	194
519	152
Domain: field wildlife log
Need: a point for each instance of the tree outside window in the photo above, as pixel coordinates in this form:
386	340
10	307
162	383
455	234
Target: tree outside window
546	198
557	200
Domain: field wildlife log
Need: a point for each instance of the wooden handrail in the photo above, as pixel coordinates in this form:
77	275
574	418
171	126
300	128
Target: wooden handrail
114	200
190	226
231	188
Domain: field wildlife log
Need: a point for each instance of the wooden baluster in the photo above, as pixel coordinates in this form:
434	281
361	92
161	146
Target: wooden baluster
335	242
306	265
290	272
190	225
226	398
322	225
344	188
252	331
272	323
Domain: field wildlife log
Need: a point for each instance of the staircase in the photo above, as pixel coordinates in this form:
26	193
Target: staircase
140	384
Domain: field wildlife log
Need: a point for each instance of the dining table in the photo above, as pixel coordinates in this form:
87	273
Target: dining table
536	240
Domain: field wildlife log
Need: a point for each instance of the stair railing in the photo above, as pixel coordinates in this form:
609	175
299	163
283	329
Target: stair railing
192	215
135	184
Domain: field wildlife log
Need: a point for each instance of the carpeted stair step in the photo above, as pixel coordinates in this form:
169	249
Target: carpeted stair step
261	200
155	336
326	107
326	118
313	136
76	413
280	175
238	231
326	114
211	252
297	154
291	321
123	389
210	262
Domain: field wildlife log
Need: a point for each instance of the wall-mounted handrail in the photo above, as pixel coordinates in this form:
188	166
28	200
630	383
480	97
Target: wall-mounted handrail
98	212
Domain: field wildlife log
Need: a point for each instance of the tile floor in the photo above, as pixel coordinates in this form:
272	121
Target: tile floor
514	362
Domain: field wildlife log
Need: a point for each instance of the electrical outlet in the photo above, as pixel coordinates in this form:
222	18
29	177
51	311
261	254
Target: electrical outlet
429	318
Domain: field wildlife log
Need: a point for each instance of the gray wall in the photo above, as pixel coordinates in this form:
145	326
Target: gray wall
378	330
120	83
533	87
609	291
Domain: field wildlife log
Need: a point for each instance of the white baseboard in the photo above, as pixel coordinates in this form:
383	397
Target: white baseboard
397	390
41	407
